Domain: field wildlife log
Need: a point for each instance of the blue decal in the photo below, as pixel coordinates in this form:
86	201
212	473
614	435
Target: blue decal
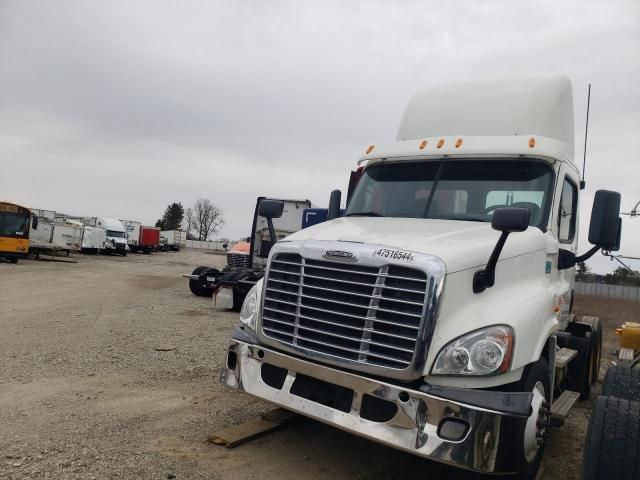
547	267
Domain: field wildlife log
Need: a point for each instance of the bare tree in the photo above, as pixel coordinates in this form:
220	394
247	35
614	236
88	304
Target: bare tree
203	220
188	223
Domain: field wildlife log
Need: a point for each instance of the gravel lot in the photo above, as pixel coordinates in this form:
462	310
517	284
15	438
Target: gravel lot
85	393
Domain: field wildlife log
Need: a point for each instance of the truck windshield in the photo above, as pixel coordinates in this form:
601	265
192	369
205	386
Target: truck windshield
14	225
114	233
453	189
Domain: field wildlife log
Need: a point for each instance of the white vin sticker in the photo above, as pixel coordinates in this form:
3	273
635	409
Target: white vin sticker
393	254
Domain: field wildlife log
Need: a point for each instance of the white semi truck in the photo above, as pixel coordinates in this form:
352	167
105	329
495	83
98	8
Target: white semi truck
435	315
116	234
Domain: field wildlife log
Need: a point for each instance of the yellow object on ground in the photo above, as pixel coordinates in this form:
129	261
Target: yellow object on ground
629	335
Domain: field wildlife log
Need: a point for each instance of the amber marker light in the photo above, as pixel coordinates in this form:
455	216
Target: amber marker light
440	143
458	143
370	149
506	361
423	144
532	142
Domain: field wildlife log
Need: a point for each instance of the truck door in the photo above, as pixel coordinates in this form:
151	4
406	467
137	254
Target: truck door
565	226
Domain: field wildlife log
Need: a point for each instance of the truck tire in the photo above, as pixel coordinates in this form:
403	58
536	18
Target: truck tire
613	441
622	381
535	375
596	344
201	288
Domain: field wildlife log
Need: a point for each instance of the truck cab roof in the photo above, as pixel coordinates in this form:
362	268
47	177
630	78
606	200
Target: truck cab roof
530	116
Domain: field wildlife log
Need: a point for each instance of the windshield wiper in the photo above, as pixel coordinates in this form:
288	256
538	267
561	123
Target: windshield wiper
364	214
462	219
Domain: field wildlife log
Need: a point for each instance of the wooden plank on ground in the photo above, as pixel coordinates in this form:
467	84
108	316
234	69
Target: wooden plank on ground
233	436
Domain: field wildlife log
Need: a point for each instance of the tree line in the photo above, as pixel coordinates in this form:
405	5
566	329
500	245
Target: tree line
620	276
200	222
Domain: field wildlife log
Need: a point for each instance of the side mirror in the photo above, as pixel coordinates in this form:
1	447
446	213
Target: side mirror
510	219
271	208
506	220
34	222
605	229
334	205
605	225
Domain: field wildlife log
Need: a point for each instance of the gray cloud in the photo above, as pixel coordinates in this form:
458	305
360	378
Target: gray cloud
118	108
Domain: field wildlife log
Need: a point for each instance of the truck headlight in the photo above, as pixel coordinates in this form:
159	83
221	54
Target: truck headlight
249	309
484	352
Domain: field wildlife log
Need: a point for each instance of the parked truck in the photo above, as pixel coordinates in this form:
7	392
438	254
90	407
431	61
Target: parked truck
116	241
176	239
141	238
230	286
435	315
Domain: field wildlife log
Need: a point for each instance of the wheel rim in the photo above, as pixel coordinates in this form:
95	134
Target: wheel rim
536	423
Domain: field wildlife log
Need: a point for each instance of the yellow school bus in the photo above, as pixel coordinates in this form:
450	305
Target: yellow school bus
15	222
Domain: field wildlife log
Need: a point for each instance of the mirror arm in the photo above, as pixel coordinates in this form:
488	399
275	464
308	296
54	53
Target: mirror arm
486	278
568	259
588	254
272	230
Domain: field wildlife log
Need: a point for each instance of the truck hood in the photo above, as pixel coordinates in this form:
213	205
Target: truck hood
460	244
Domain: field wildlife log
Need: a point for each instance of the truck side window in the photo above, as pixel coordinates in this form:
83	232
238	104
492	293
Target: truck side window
567	213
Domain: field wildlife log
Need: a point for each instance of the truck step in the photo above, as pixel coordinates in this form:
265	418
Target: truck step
564	356
561	406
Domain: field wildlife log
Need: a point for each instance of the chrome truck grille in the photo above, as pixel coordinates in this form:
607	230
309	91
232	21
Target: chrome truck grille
367	317
238	260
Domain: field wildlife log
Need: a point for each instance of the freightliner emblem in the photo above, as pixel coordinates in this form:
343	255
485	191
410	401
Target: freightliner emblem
339	255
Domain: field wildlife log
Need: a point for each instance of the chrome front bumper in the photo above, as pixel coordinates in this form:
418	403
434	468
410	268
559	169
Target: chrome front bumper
415	427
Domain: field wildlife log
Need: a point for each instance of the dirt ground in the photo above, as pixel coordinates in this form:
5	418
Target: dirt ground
109	366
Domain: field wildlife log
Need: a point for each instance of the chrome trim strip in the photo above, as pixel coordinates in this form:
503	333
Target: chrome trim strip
335	324
382	275
336	347
386	287
370	285
345	337
369	307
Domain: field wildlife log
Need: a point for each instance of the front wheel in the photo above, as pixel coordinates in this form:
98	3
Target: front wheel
529	439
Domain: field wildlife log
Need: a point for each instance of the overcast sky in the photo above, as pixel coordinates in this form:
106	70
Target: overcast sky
118	108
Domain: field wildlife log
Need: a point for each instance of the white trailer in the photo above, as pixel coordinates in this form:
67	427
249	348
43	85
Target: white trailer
132	227
44	214
94	239
67	236
42	235
55	236
176	239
